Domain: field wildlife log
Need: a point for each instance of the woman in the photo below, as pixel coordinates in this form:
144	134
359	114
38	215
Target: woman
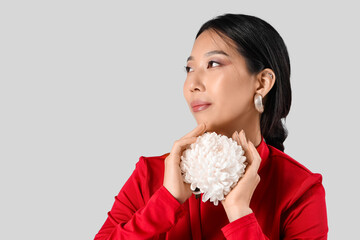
238	80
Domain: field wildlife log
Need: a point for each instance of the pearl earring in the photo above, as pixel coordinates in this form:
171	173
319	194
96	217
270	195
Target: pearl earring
258	103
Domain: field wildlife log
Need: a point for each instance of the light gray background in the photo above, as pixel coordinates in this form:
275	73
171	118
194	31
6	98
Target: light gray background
87	87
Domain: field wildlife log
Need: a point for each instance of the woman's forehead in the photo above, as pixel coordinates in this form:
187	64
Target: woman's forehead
209	40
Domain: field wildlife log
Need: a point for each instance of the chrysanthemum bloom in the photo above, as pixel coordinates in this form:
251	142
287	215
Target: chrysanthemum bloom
214	164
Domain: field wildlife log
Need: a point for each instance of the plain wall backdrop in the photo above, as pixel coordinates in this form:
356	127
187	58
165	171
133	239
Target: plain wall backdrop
87	87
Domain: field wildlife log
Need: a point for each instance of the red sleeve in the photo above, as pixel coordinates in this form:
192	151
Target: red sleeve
132	217
246	227
305	218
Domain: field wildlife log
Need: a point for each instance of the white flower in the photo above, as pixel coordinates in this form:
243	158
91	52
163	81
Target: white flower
214	164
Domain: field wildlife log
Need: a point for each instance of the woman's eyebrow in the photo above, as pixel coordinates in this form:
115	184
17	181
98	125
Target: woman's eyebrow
210	53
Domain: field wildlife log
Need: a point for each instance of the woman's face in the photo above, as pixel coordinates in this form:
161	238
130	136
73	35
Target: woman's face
217	74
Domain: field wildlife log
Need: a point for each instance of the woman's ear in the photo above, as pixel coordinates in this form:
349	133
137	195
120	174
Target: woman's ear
265	81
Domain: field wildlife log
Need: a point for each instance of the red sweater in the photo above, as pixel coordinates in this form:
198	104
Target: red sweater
288	203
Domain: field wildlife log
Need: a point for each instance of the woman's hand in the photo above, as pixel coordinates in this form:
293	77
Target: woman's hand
237	202
173	180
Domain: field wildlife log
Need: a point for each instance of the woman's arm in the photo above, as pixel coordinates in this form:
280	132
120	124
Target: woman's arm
246	227
132	217
305	218
243	224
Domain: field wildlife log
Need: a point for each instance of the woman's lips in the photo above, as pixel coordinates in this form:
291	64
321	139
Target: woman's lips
200	107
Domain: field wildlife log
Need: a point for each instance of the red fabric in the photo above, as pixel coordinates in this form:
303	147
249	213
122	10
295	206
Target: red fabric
289	203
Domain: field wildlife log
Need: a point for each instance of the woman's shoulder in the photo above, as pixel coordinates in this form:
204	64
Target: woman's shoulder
295	182
286	161
151	169
151	166
290	171
153	161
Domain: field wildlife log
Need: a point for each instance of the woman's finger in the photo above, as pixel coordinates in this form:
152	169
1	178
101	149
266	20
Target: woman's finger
235	137
252	155
181	144
245	146
200	129
249	154
178	147
256	157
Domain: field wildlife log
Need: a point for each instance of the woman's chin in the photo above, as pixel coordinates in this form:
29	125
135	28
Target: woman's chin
217	130
210	127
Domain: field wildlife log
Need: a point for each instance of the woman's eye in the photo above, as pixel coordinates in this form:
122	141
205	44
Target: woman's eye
187	69
213	62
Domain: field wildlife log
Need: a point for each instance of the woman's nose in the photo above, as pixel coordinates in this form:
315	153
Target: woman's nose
197	82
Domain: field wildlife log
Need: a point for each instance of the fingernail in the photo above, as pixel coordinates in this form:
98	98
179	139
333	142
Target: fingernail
234	136
242	136
246	143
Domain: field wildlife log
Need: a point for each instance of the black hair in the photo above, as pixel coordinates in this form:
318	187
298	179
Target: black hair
262	47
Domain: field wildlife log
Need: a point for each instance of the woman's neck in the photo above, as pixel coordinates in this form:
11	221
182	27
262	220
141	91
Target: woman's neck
252	132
